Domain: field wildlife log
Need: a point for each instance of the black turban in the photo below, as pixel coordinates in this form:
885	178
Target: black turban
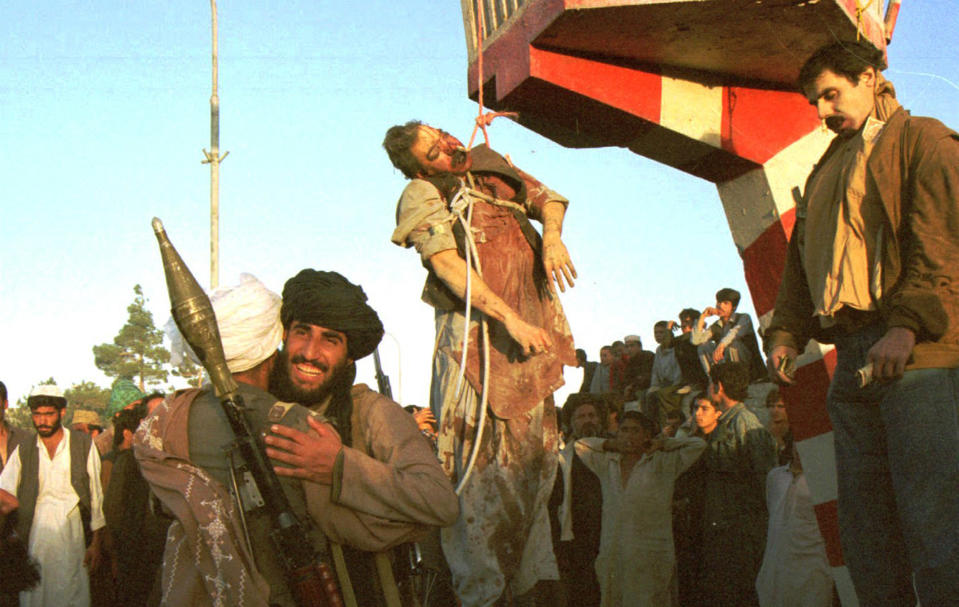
329	300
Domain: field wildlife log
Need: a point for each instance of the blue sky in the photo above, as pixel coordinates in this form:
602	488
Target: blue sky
104	112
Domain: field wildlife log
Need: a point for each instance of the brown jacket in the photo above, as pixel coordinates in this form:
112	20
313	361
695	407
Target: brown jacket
388	488
914	170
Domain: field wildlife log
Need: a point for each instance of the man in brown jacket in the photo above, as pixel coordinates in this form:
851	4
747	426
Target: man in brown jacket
873	266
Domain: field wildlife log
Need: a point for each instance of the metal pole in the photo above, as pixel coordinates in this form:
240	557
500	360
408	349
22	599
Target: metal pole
213	158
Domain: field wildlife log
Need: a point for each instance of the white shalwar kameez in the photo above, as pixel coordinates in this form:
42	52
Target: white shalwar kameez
636	553
795	571
56	536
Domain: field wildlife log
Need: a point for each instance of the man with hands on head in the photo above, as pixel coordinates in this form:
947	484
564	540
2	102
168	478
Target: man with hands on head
637	471
873	267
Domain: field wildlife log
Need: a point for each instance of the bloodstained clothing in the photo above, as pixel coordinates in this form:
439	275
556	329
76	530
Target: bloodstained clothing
502	535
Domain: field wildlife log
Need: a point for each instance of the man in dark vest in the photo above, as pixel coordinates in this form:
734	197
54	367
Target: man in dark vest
578	501
54	481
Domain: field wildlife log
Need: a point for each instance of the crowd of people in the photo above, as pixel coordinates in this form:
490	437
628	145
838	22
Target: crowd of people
289	485
670	490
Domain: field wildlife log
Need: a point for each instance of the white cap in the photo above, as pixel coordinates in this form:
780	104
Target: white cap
47	390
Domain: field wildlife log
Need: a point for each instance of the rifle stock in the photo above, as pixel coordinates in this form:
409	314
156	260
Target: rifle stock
311	582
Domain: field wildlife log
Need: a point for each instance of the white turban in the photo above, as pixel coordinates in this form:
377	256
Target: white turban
248	316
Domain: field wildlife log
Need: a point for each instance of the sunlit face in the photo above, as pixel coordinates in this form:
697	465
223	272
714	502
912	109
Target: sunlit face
312	357
707	415
633	349
585	421
725	309
606	357
438	152
46	420
842	104
661	334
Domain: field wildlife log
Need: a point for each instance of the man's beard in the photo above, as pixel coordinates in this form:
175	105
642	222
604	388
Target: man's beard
587	430
282	387
458	158
47	431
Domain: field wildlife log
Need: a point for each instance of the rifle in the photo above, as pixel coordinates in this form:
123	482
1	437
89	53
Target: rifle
382	379
19	571
408	574
311	581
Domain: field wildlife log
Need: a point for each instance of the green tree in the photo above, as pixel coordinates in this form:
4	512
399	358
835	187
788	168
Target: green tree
86	395
137	352
190	371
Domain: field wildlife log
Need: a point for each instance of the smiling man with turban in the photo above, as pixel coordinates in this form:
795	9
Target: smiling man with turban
387	486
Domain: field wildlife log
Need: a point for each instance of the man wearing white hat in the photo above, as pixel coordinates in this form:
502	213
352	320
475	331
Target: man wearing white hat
54	482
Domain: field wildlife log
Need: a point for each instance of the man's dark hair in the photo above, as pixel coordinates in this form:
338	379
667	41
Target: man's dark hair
125	419
661	324
610	348
734	376
730	295
690	313
581	356
651	427
397	143
3	392
676	414
42	400
773	396
849	59
577	399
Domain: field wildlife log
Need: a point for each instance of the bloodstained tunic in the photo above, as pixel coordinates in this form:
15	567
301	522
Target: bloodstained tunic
502	535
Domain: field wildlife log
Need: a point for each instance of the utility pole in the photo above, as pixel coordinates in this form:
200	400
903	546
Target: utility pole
213	158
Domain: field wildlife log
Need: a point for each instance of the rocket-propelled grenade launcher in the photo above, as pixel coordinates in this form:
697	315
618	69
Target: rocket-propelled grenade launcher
311	581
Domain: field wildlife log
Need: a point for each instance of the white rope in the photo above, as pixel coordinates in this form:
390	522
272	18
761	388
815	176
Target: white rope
456	206
461	200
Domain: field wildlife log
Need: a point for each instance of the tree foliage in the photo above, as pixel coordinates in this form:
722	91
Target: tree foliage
89	396
137	352
191	372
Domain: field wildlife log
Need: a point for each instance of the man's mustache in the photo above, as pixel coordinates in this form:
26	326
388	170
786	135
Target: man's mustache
299	359
834	122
